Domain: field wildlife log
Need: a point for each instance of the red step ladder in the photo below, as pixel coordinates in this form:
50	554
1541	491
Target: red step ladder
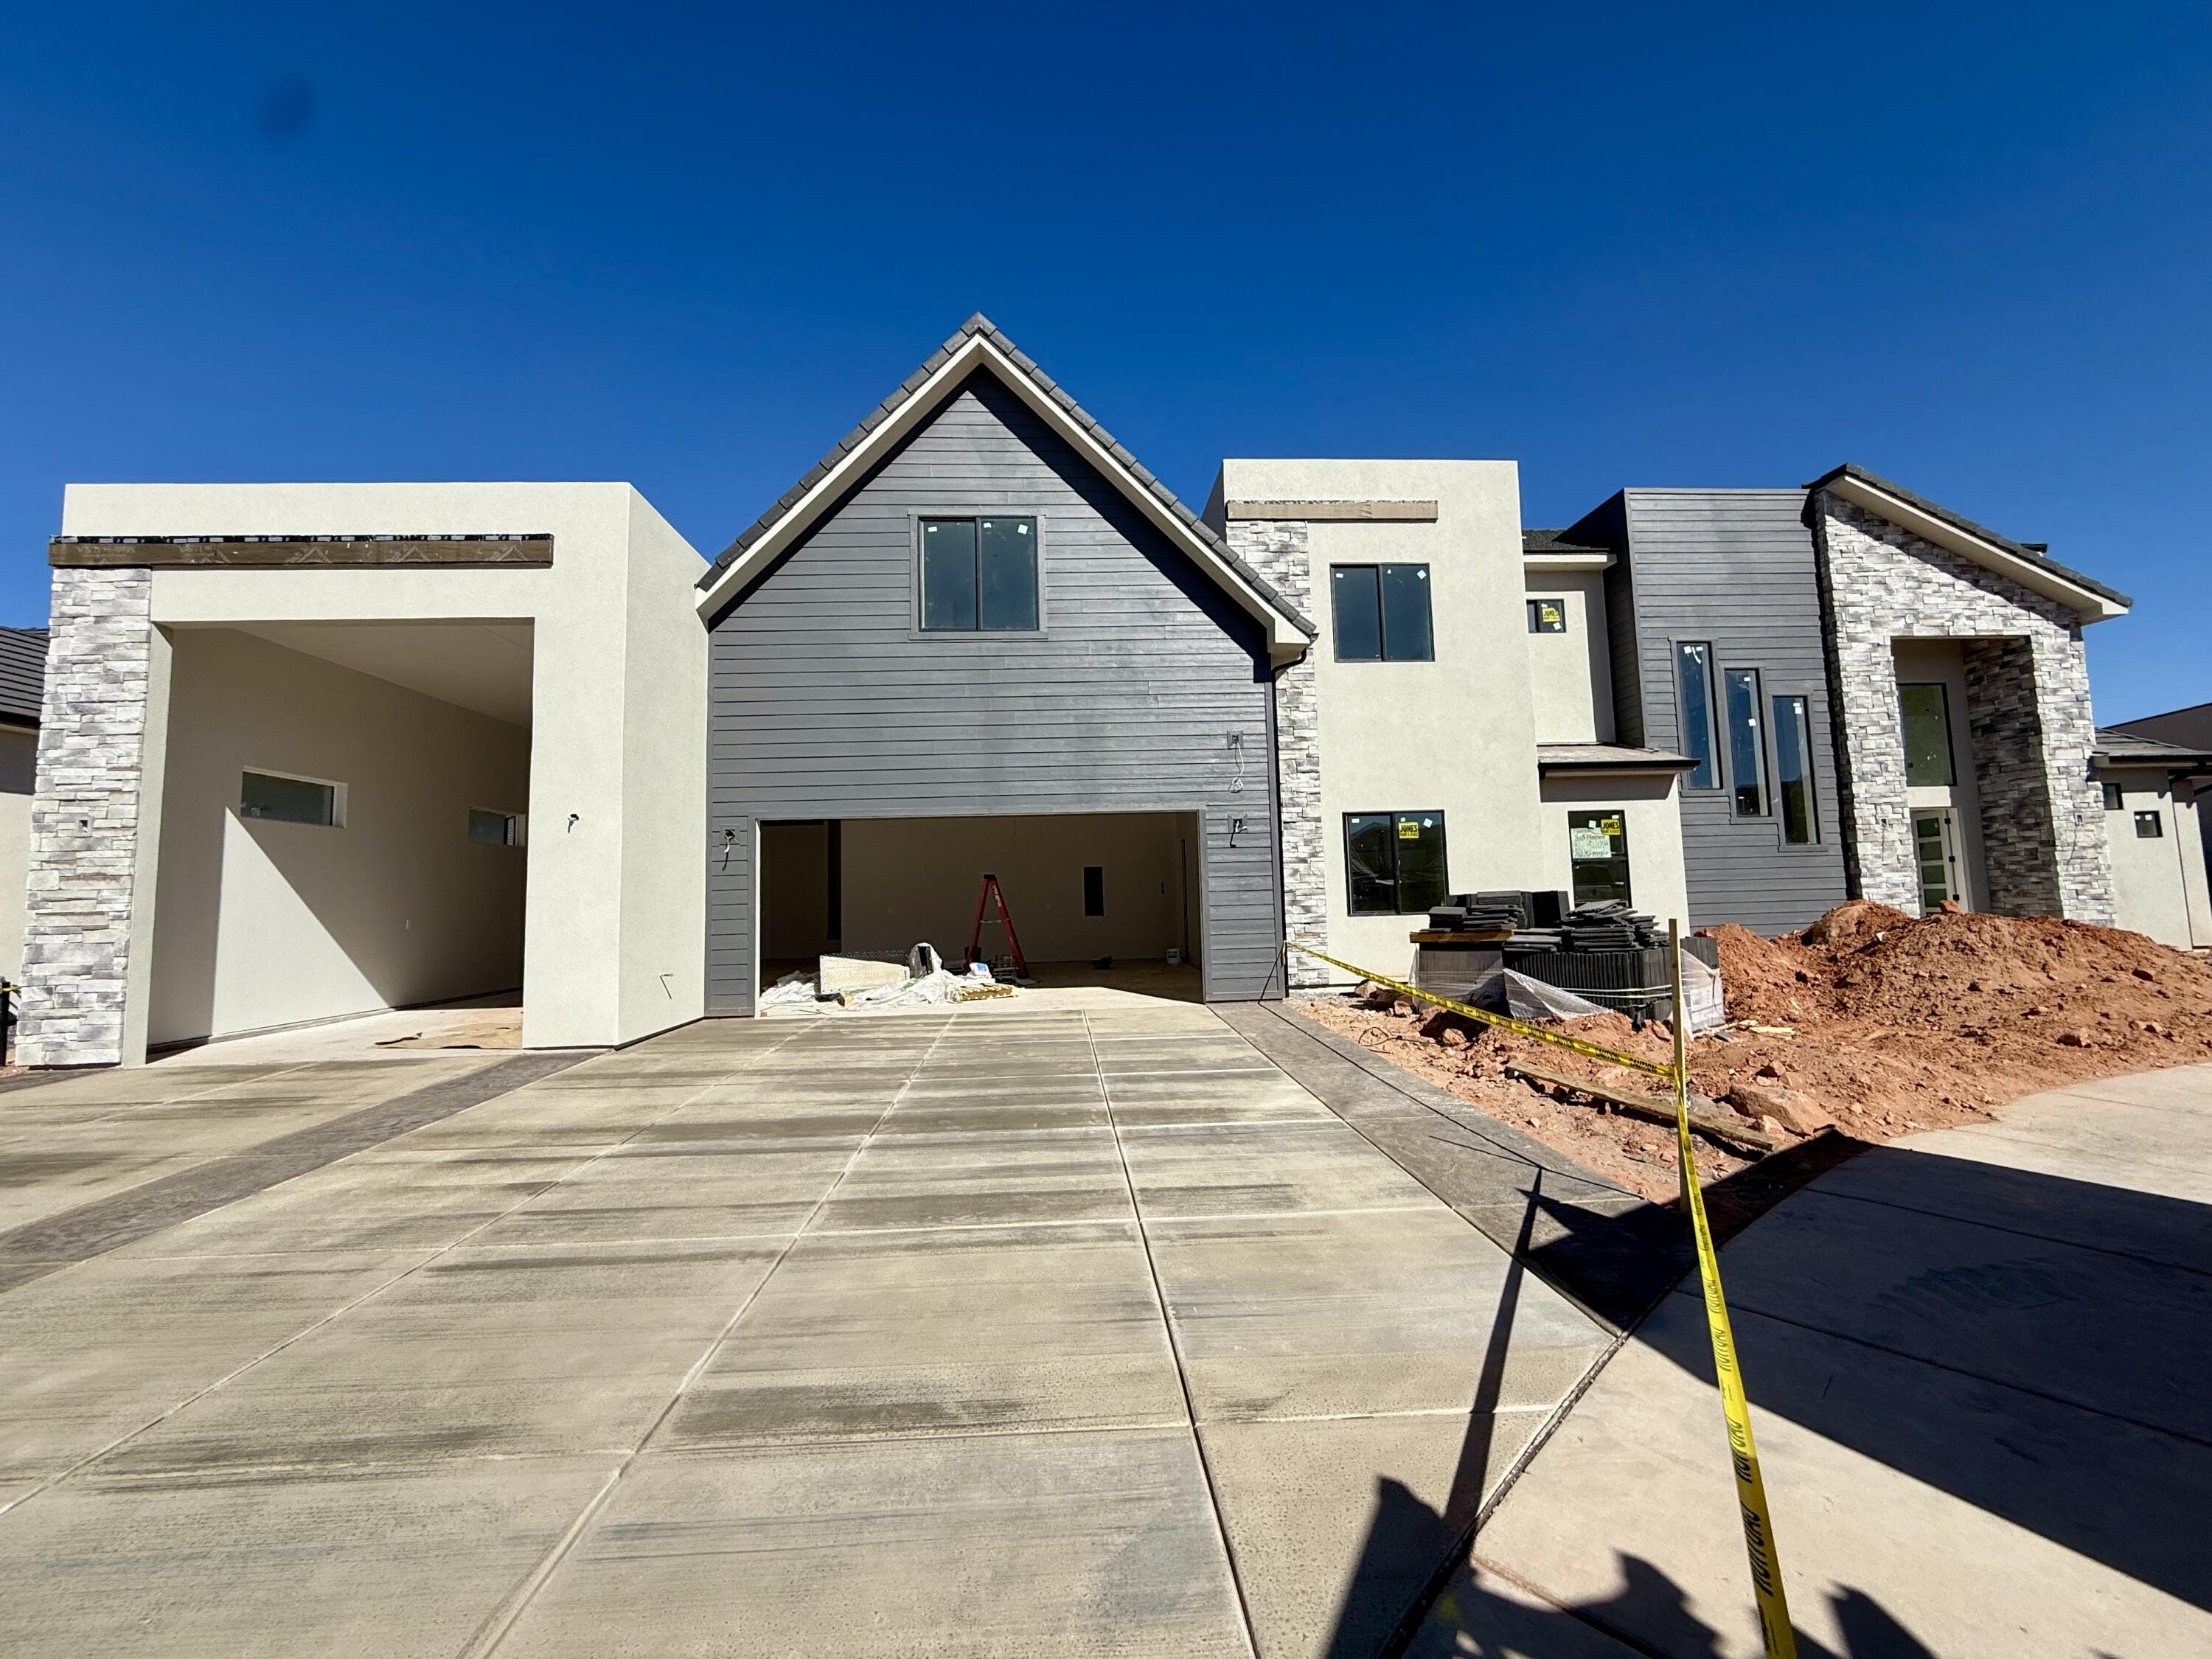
991	892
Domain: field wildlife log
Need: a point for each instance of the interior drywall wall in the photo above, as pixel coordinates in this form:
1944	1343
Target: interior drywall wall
2158	881
1570	674
1651	810
18	749
261	923
616	905
910	879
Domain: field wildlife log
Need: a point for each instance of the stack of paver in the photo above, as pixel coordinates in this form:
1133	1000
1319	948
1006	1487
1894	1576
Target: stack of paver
1608	926
1480	913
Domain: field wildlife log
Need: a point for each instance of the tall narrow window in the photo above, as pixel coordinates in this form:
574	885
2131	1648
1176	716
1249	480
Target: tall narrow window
1693	691
1382	612
1793	771
979	575
1926	712
1747	745
1393	862
1094	889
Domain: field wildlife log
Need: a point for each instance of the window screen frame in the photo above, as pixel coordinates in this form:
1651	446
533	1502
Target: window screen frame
916	517
1427	581
335	820
1709	762
1397	877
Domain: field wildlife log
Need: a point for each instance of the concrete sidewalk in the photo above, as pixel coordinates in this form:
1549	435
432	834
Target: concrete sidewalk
1074	1332
1976	1360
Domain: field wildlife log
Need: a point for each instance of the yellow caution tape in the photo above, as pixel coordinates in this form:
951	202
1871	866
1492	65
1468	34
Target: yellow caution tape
1780	1640
1518	1027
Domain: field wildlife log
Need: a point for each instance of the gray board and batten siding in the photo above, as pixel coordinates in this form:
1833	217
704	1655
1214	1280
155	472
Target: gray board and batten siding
828	702
1735	567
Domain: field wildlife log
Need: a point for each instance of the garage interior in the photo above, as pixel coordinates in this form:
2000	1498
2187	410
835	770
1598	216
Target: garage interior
1081	888
343	825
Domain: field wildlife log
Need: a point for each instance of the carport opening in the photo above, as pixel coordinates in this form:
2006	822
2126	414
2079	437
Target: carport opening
344	825
1098	899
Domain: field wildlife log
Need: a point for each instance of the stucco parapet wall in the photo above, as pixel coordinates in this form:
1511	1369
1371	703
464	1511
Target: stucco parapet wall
1332	511
276	552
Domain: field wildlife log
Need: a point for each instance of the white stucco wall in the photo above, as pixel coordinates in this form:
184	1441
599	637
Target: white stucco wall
2159	882
1653	819
1456	735
1569	675
260	923
18	749
615	906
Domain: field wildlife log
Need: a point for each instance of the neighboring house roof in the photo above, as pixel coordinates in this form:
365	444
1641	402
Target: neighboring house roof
1608	757
2191	728
1554	541
2028	563
2116	747
979	344
22	674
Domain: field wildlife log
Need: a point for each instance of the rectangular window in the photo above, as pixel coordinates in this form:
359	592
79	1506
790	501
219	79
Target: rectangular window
1547	615
495	829
1926	711
1094	889
1382	612
1694	690
288	800
2113	801
1597	851
979	575
1393	862
1793	771
1746	743
2150	826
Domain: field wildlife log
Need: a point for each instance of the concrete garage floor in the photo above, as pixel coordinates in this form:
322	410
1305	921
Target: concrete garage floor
985	1331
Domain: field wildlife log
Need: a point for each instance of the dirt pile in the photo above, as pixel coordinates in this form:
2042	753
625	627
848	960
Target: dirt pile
1881	1022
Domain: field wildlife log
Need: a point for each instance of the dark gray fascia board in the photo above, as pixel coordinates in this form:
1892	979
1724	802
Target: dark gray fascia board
2033	552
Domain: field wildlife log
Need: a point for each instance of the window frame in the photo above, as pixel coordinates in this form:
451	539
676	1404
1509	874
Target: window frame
1943	691
1535	599
1397	879
2150	824
1798	721
335	820
917	626
1737	783
1624	857
1382	612
1710	760
2115	798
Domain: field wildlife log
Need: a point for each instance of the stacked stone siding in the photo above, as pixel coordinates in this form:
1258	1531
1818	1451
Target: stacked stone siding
1278	549
2028	695
84	818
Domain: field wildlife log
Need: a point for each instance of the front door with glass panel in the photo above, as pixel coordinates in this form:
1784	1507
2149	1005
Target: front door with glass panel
1935	849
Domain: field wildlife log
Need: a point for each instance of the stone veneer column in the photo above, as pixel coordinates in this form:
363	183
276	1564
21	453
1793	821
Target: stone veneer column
85	862
2028	688
1278	549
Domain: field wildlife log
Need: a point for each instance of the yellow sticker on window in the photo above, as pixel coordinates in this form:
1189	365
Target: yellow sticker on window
1551	613
1611	826
1408	831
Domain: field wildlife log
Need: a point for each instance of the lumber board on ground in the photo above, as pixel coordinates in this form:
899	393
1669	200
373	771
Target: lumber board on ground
1643	1106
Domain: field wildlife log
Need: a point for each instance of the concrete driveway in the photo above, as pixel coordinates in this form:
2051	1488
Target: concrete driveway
1977	1362
964	1333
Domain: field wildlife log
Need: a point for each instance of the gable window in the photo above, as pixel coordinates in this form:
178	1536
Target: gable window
1746	743
1393	862
495	829
1382	612
2150	826
1693	693
273	796
1547	615
1793	771
1926	712
979	575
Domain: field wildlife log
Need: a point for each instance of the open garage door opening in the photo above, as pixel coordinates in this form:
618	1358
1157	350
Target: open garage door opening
344	828
1103	900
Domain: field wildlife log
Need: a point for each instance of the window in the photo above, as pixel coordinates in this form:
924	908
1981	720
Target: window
1094	889
1927	715
1747	746
1393	862
1547	615
289	800
2113	801
2150	826
1694	690
1382	612
979	575
1597	850
1793	771
495	829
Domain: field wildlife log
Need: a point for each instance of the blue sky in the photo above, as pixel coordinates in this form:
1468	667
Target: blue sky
1726	246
